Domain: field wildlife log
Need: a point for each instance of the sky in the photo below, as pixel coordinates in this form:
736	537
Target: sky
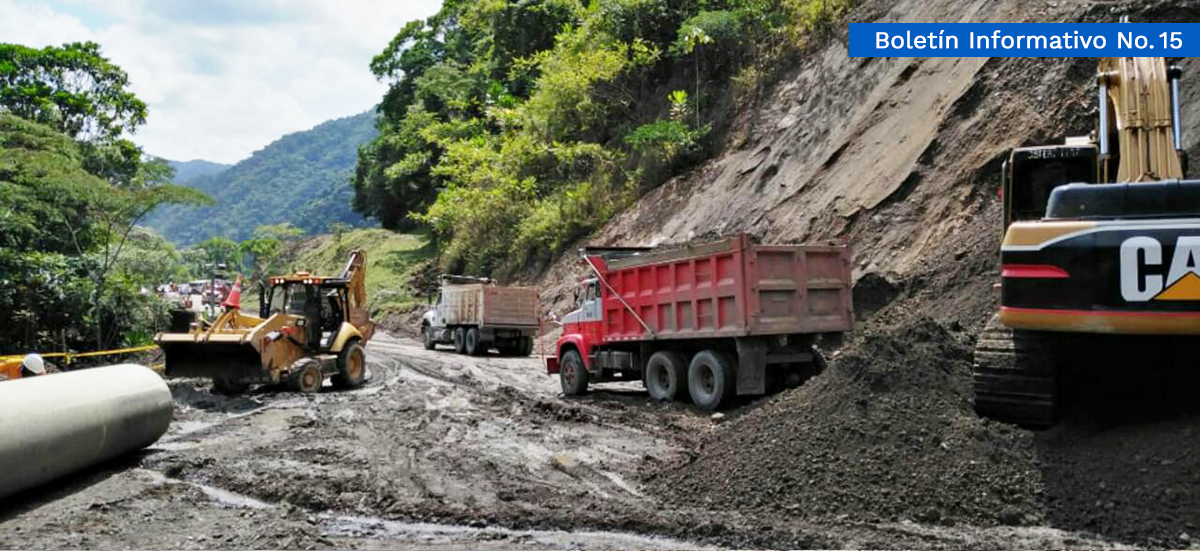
224	78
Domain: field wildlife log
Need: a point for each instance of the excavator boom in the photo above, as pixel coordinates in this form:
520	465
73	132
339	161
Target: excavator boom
1144	94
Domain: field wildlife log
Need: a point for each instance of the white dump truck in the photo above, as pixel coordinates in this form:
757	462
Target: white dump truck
476	315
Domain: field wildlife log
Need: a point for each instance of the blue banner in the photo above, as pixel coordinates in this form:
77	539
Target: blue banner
1024	39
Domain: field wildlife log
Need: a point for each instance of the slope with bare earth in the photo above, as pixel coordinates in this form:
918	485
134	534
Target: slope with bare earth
901	158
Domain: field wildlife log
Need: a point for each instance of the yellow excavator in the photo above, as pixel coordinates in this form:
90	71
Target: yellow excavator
308	327
1097	266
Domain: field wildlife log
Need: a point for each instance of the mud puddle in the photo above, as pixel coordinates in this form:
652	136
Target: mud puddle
356	527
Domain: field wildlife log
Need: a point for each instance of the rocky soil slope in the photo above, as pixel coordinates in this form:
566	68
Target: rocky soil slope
901	157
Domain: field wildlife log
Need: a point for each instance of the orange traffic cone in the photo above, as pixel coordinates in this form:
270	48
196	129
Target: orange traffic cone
234	300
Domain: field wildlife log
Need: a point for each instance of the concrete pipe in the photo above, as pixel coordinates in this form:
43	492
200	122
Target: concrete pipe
56	424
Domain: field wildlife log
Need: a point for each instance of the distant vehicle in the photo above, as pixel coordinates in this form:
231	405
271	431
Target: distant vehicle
476	315
704	322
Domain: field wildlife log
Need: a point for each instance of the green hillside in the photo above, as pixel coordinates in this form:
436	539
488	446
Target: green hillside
302	178
186	171
391	258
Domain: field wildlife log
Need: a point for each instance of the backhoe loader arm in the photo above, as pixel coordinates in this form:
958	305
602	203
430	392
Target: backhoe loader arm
355	274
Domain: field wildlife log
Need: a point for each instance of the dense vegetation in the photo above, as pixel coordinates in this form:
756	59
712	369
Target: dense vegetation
302	178
72	263
513	127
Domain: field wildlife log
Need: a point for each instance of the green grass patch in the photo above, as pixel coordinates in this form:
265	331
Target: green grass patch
391	259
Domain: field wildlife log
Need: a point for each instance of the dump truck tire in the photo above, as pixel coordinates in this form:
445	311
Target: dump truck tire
526	347
225	386
711	379
460	337
306	376
427	335
666	376
572	374
352	366
472	343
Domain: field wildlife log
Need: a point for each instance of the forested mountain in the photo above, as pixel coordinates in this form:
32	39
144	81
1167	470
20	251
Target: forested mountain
187	170
302	178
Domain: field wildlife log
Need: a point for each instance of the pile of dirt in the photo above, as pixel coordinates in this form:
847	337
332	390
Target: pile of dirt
886	433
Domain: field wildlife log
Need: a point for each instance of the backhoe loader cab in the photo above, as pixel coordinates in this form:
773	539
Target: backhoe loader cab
308	327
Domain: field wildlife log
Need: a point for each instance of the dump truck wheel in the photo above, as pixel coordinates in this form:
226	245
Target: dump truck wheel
352	366
572	374
472	344
711	379
427	334
666	375
526	346
305	376
460	338
226	386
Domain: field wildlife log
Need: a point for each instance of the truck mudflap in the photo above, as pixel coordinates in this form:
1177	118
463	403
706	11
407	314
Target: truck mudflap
551	365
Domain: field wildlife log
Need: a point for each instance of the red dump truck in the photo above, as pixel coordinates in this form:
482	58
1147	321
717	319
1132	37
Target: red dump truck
704	322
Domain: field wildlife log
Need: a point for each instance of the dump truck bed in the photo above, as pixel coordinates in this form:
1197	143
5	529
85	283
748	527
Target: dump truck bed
490	305
728	288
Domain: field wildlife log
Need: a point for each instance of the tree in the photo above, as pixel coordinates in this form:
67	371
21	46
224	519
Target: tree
78	92
266	246
221	250
71	88
115	212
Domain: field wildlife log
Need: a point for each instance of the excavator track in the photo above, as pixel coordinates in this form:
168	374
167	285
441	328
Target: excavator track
1015	376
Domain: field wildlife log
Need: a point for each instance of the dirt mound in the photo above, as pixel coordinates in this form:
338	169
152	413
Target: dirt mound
887	433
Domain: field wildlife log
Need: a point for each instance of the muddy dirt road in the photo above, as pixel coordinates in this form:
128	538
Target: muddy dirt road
436	451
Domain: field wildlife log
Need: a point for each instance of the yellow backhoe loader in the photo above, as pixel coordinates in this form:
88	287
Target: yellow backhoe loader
1096	267
308	327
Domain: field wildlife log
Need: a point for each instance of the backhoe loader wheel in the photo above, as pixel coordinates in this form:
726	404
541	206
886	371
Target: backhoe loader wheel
305	376
427	334
573	374
352	366
460	338
229	387
474	346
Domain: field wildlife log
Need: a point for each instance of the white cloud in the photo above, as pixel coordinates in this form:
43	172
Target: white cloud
224	78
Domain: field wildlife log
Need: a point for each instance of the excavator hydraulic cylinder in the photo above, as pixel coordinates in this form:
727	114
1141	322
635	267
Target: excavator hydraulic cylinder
53	425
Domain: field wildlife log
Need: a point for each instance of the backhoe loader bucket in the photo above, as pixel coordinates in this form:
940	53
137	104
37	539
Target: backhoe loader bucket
214	359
